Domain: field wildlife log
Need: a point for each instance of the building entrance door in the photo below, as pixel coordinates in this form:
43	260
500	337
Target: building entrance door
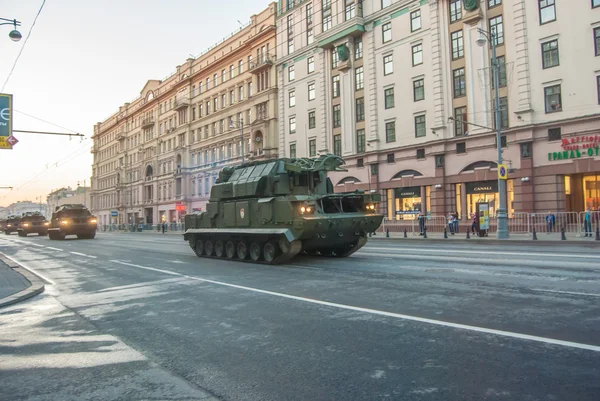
591	192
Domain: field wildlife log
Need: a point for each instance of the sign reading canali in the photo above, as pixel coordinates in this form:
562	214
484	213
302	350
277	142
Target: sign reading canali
576	147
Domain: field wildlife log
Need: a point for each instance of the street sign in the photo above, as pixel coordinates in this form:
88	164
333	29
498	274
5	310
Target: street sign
114	213
502	172
12	140
5	115
4	143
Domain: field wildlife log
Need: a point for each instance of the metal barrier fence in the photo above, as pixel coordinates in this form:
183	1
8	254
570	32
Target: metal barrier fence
433	224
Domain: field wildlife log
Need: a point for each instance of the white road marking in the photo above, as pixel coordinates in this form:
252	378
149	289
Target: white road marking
54	249
83	254
587	294
177	261
34	244
24	266
502	333
485	252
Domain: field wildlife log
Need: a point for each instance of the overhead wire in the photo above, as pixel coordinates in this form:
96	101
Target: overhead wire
45	121
23	47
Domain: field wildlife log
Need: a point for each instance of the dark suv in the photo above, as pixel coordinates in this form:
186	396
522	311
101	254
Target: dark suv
33	223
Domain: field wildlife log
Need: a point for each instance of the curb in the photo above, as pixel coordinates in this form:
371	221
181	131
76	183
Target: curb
480	241
37	284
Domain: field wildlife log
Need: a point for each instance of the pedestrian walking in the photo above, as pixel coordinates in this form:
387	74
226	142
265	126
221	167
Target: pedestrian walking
474	223
587	222
451	223
550	221
421	223
456	222
164	226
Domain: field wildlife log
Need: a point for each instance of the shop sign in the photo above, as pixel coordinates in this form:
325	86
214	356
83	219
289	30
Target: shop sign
408	192
482	187
576	147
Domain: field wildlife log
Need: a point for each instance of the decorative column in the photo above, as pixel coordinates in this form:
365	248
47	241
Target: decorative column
371	81
521	63
437	63
282	116
324	95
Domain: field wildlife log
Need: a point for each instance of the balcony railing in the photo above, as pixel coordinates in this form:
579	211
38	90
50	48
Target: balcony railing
148	122
265	61
181	103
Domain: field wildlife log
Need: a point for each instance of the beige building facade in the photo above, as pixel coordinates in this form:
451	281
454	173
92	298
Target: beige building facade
64	196
404	93
157	158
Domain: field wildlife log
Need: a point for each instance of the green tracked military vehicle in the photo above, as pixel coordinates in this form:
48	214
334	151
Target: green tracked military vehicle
33	222
11	225
72	219
269	211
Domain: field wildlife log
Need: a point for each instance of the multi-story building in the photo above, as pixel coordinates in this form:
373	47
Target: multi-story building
63	196
22	207
404	93
158	156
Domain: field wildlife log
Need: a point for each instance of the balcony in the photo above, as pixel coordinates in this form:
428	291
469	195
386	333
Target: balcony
258	66
120	136
147	122
181	103
94	149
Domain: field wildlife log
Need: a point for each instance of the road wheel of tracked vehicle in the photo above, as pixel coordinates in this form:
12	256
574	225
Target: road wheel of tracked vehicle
269	251
92	235
284	245
242	250
255	251
43	234
230	250
22	234
208	248
82	236
199	247
219	249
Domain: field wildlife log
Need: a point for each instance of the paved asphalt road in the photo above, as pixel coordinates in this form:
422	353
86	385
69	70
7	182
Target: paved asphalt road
396	321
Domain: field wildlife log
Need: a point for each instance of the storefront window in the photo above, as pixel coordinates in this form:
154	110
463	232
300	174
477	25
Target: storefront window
458	202
408	203
567	185
428	198
390	204
591	191
487	192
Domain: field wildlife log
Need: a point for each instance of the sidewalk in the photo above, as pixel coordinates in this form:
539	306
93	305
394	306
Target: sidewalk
16	283
553	238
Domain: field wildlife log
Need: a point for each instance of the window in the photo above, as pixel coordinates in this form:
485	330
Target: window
240	93
312	147
552	99
291	73
231	97
503	141
494	3
249	89
309	13
240	66
292	125
526	149
386	32
388	64
461	147
200	87
215	79
360	84
311	91
554	134
439	160
497	29
374	169
501	72
360	108
223	101
360	141
460	119
455	10
337	145
597	41
337	116
390	132
292	150
420	126
458	50
223	76
311	64
420	153
360	162
231	71
419	89
200	107
292	98
595	3
335	59
550	54
350	10
358	49
326	16
415	20
385	3
310	36
215	104
389	98
336	85
503	113
391	157
417	54
547	11
459	82
598	87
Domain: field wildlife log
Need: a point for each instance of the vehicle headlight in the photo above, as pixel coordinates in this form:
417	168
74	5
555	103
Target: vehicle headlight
25	224
46	224
306	209
64	222
303	209
9	225
93	221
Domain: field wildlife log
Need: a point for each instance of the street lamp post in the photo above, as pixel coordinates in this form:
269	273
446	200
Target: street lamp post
240	124
14	35
502	229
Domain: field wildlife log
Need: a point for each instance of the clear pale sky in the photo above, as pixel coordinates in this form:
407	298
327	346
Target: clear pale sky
83	60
